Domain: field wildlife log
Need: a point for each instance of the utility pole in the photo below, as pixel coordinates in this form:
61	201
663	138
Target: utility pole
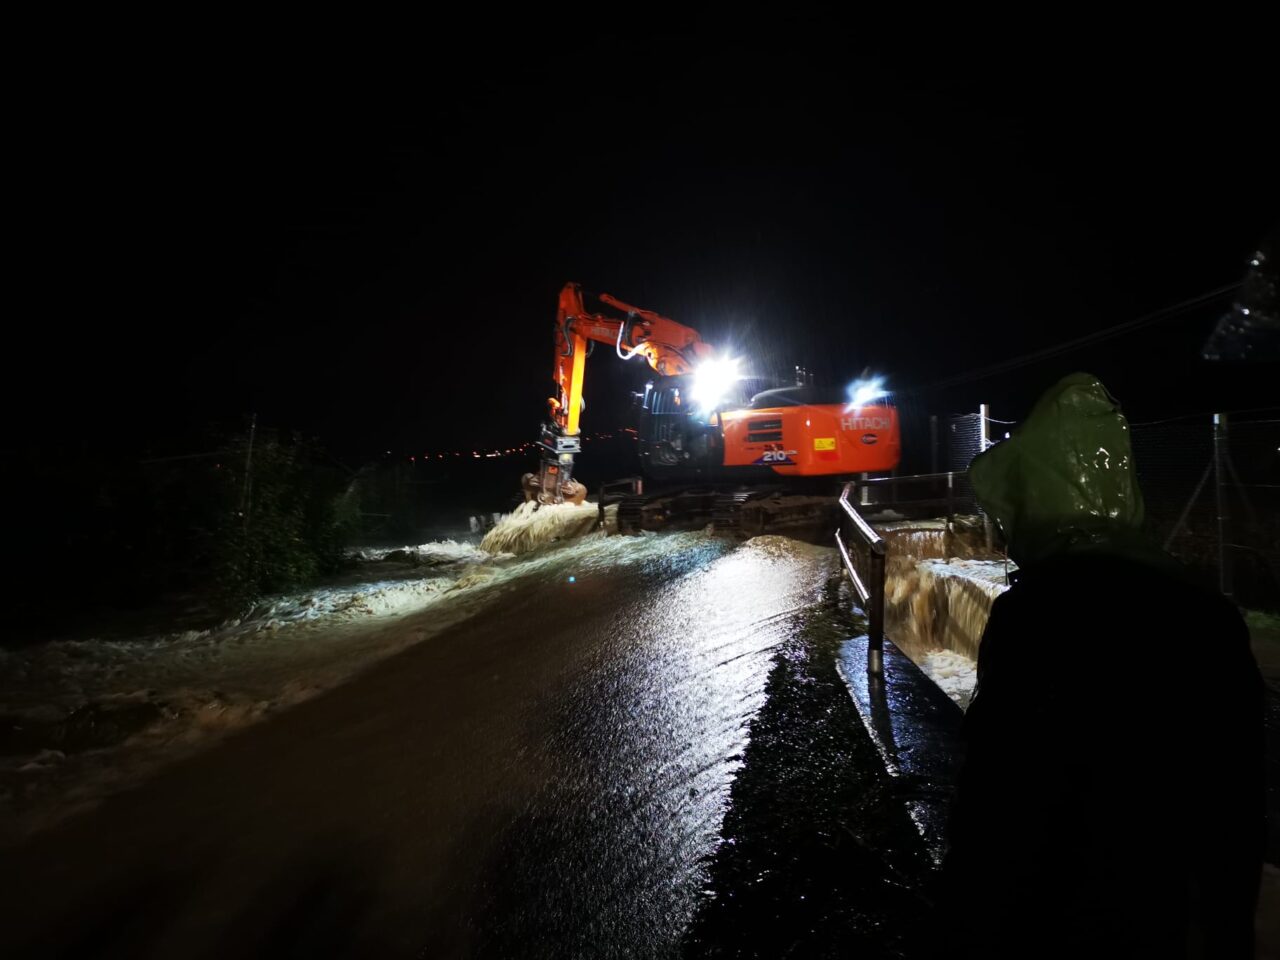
1220	482
248	467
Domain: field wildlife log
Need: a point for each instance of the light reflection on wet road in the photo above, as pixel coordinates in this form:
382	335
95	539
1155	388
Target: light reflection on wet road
541	780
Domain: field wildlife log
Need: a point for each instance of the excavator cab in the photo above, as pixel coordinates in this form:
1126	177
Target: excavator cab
680	440
762	432
677	440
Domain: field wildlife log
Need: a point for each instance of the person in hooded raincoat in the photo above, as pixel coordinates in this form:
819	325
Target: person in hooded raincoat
1111	798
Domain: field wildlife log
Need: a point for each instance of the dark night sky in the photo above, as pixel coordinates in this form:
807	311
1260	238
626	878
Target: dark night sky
375	260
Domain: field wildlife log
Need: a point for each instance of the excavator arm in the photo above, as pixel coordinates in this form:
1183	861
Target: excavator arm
670	348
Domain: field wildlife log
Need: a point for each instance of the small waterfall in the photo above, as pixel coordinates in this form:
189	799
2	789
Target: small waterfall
933	540
935	605
937	608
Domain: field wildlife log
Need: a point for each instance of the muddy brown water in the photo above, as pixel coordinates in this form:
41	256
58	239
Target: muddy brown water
548	778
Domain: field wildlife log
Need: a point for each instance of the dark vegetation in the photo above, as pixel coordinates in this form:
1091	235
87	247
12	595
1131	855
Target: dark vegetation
100	534
197	529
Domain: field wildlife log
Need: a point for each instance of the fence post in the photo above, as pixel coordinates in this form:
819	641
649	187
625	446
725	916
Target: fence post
933	443
946	527
247	484
1220	483
984	441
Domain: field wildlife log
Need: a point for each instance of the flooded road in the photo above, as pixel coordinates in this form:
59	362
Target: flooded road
548	777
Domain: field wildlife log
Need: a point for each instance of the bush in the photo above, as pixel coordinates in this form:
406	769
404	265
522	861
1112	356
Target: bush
285	518
99	531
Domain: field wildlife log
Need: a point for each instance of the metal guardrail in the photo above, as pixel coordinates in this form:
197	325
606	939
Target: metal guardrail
957	497
868	553
948	500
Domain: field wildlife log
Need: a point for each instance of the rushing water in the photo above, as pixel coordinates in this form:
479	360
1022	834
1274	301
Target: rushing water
83	717
544	776
938	594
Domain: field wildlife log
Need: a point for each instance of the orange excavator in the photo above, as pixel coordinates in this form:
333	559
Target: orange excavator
704	422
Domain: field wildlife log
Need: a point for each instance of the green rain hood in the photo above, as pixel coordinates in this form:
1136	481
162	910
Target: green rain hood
1064	481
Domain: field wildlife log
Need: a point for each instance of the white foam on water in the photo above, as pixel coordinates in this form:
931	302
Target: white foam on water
439	552
955	673
532	525
206	683
989	575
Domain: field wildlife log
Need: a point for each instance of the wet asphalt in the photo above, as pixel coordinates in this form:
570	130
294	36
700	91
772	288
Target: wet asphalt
651	761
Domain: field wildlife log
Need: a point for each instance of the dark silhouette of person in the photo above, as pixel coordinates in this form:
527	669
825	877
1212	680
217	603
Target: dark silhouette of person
1111	799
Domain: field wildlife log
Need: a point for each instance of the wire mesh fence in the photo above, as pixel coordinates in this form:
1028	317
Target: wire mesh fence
965	439
1212	492
1210	483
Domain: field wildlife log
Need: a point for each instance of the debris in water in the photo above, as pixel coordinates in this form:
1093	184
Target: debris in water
531	525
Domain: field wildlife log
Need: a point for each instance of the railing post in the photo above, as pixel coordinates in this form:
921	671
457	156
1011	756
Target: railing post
875	616
870	590
1219	477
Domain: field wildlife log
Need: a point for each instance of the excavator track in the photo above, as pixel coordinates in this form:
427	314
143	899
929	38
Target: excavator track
726	514
631	513
740	514
666	510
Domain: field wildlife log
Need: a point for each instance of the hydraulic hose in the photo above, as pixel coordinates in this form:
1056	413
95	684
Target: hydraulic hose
618	347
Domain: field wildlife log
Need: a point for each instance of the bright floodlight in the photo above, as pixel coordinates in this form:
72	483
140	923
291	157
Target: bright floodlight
712	381
862	392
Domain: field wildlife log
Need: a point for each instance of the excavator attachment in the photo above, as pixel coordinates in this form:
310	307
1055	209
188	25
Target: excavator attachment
549	487
554	483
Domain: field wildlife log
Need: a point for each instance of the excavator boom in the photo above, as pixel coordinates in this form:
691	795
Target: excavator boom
670	348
